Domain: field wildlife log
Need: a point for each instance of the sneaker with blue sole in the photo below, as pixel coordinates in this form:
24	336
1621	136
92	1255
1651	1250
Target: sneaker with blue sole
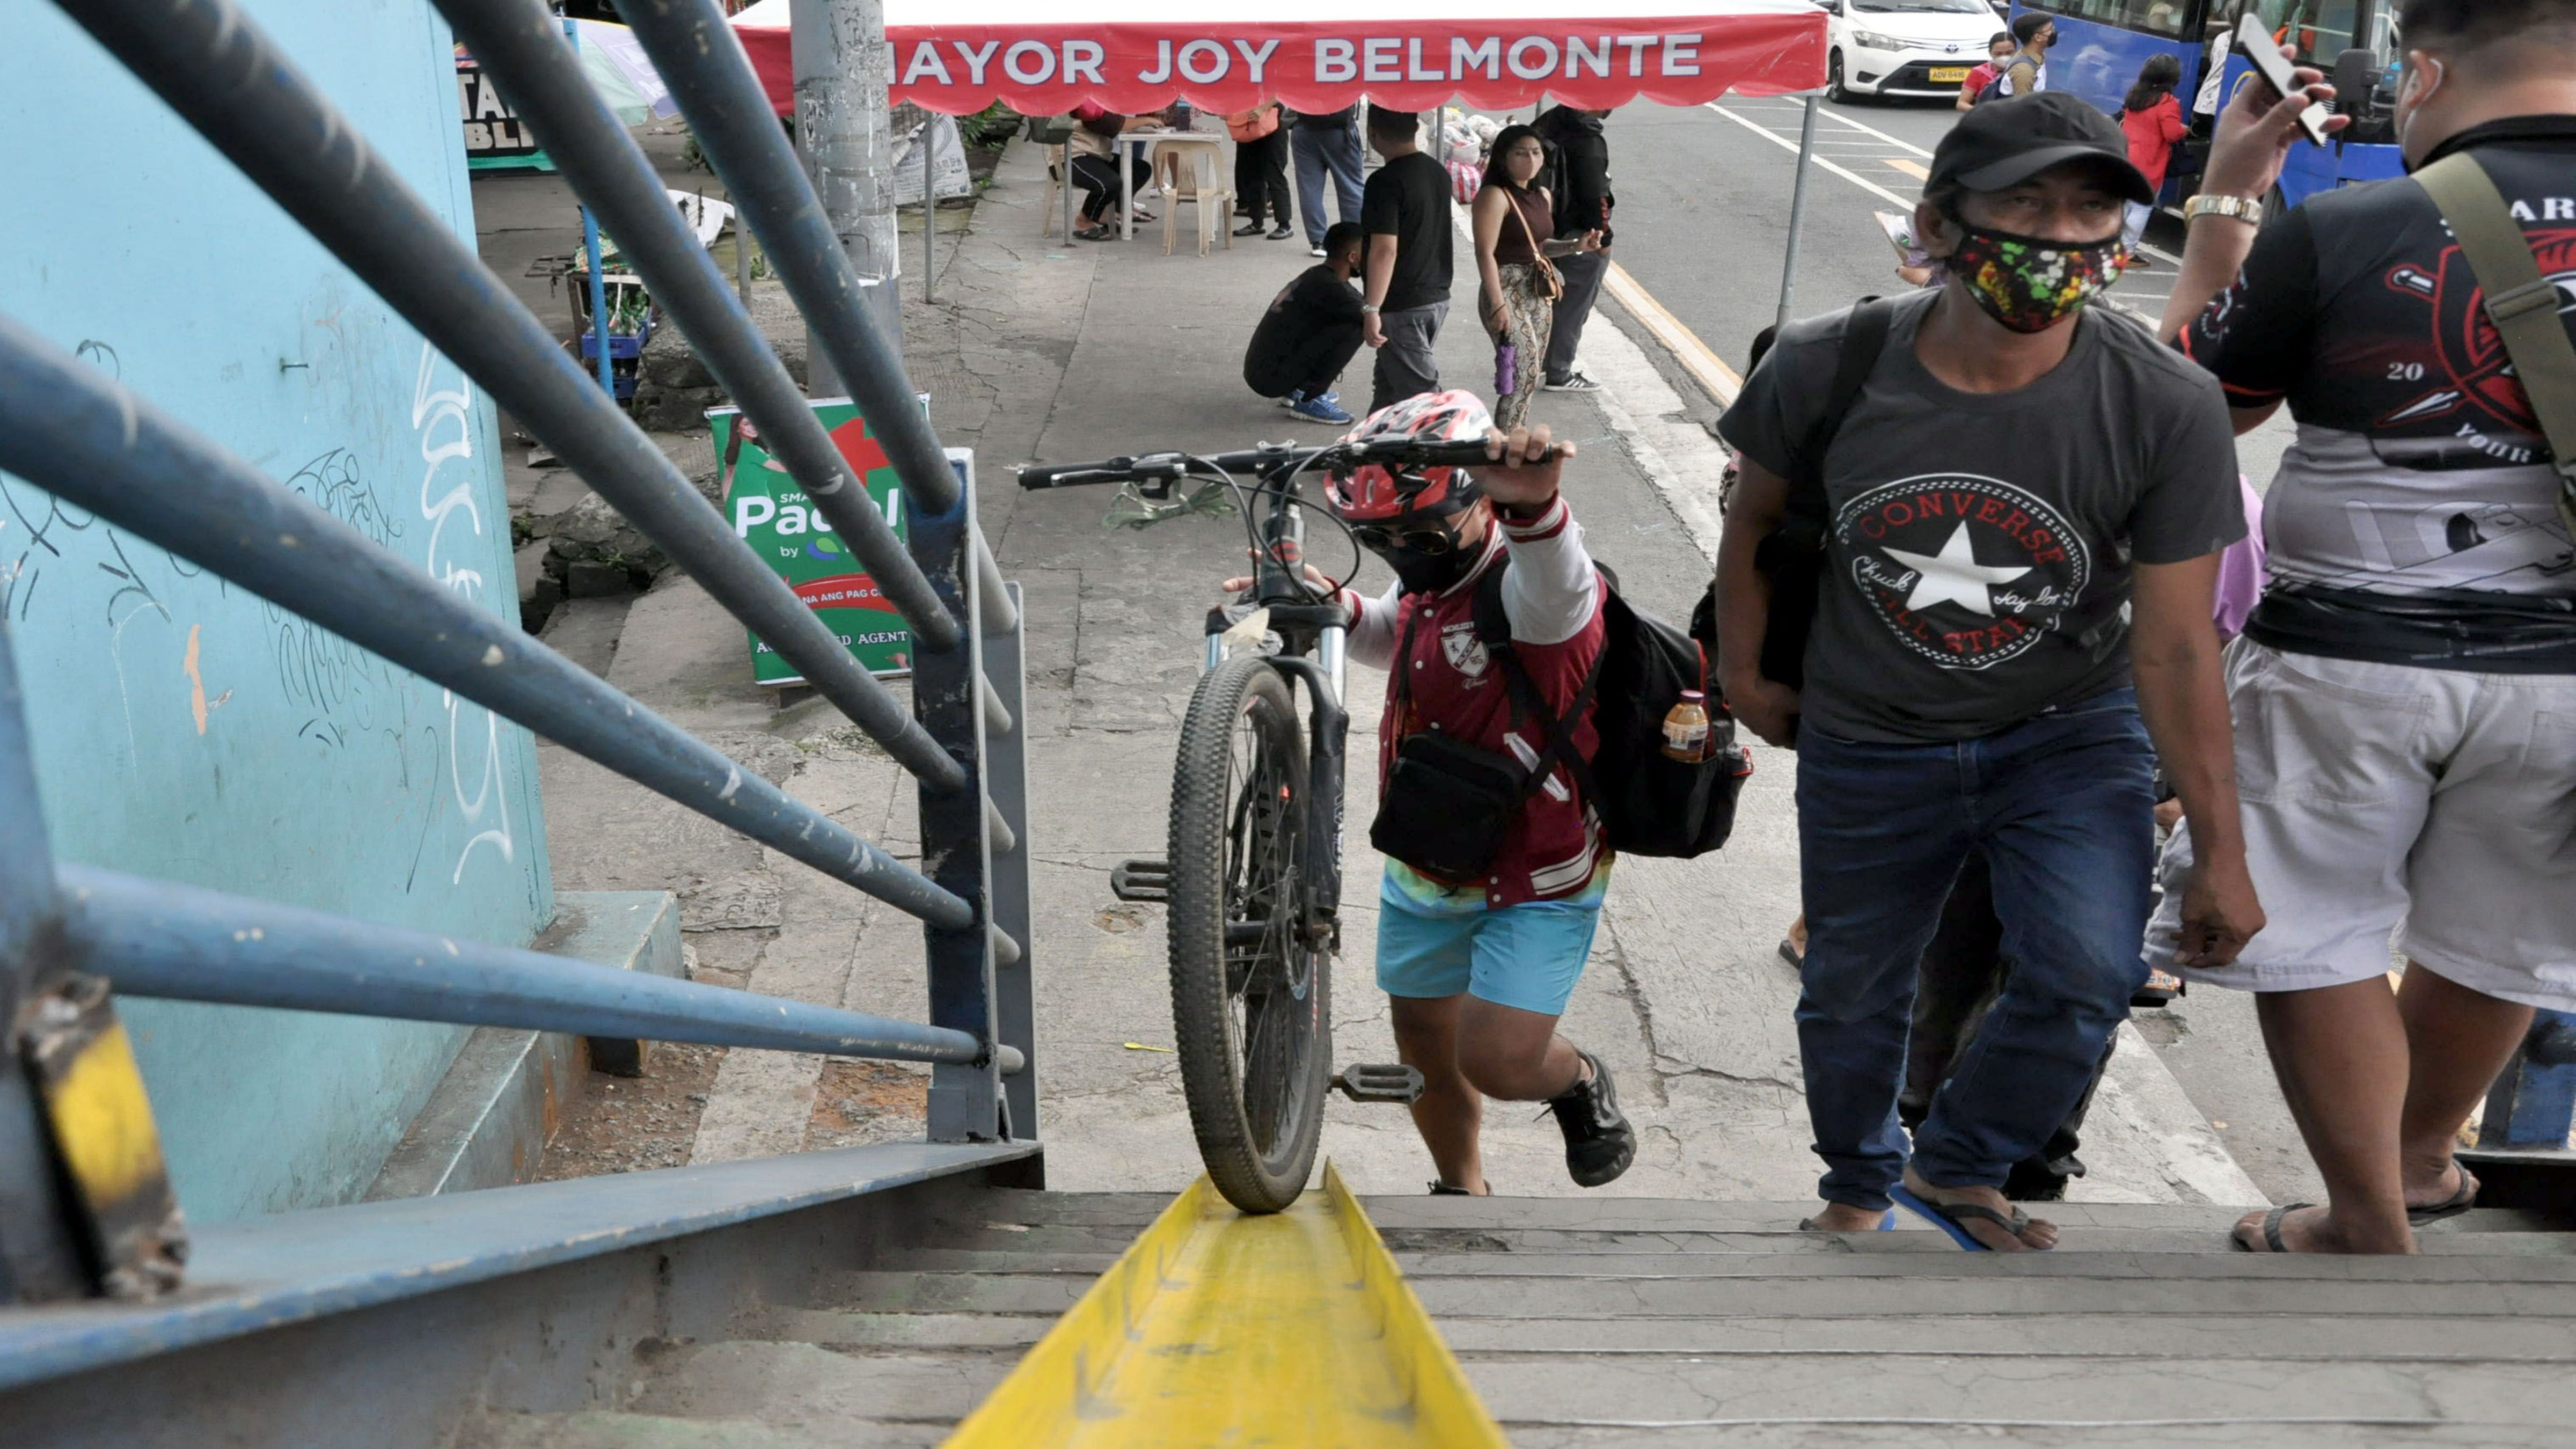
1319	410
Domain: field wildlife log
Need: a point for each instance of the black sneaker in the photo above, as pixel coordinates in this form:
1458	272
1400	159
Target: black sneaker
1599	1143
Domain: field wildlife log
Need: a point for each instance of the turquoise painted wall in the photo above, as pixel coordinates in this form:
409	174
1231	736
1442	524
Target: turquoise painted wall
187	730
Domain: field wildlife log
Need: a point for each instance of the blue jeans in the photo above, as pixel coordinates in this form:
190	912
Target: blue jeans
2062	806
1318	149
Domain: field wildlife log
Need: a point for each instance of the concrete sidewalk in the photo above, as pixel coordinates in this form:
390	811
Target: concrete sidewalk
1041	352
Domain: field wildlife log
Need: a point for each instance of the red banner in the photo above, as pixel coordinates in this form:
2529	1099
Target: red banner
1323	65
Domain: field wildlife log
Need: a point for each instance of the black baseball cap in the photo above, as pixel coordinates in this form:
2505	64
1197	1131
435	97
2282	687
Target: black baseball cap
2002	144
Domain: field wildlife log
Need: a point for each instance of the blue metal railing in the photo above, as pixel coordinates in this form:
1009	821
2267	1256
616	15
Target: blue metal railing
71	430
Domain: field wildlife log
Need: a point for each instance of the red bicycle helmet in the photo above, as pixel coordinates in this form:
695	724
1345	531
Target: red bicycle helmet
1375	493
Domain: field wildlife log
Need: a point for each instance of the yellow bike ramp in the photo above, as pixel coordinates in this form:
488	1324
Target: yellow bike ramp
1221	1328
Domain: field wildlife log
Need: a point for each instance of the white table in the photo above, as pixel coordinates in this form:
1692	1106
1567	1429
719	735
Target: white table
1127	173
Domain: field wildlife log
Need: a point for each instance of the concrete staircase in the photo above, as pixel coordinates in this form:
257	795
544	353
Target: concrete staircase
1605	1321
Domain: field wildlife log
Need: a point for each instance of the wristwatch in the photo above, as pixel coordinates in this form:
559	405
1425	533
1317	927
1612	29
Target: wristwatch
2240	208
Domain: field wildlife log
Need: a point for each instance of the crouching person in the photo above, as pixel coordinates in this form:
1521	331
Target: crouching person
1483	928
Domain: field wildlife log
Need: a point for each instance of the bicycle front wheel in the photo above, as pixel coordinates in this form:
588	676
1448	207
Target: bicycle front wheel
1251	994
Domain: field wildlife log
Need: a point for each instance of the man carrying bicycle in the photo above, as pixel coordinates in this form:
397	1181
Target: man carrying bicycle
1480	967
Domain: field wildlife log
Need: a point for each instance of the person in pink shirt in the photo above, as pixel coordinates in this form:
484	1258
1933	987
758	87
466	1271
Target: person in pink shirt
2153	121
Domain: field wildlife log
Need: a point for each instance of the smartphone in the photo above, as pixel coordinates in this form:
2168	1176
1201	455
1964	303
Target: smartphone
2260	48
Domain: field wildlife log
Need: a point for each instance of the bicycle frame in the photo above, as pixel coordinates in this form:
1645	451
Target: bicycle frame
1313	648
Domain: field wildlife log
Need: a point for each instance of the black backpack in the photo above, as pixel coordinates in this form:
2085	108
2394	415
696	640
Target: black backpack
1792	557
1649	804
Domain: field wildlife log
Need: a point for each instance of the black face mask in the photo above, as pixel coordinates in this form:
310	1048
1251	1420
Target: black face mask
1430	573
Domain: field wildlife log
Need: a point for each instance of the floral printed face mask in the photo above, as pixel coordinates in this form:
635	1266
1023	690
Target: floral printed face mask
2030	285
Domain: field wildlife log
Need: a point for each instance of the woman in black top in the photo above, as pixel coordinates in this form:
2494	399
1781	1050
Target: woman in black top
1517	287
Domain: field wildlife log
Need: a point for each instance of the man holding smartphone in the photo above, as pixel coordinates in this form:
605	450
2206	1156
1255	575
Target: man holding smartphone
2025	508
2405	695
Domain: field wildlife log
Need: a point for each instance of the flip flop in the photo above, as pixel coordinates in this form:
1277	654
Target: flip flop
1442	1189
1886	1224
1790	953
2450	1207
1946	1217
2271	1230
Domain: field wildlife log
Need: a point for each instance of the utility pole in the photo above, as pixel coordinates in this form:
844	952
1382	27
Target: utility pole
844	68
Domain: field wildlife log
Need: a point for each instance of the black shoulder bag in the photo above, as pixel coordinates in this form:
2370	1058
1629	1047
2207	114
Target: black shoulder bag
1447	802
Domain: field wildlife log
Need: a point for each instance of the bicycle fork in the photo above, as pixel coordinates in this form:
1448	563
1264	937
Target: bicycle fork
1319	845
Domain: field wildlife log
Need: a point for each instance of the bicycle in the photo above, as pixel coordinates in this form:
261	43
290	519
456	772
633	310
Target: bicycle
1252	875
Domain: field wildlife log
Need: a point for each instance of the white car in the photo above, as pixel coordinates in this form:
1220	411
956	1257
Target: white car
1905	47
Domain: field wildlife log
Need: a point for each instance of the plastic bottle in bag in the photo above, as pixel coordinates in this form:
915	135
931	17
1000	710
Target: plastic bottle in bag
1686	729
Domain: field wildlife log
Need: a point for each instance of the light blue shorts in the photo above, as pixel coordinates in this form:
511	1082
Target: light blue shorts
1527	956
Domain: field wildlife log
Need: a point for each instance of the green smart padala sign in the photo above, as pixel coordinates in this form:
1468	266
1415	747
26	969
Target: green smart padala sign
771	513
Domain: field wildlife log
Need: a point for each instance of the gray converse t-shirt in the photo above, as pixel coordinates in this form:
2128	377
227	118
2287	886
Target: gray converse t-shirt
1982	542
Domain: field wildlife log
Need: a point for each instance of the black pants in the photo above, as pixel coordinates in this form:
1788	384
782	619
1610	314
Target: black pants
1261	178
1308	364
1961	971
1098	178
1582	272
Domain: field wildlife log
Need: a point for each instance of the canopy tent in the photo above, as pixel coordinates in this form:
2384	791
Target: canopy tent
1043	57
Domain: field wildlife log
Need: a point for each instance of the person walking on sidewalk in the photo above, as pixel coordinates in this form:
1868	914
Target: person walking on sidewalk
1999	53
1409	268
2023	512
2405	694
1580	188
2026	74
1310	333
1326	143
2151	117
1479	970
1261	170
1517	284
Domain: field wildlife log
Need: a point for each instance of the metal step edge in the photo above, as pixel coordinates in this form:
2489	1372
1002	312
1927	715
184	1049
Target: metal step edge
291	1267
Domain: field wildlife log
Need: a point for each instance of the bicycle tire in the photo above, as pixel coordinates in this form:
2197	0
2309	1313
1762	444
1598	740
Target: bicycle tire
1253	1026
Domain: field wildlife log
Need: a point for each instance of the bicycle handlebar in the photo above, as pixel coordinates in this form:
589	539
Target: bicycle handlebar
1266	459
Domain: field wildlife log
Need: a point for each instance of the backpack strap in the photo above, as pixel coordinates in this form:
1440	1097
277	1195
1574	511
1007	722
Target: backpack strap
2519	300
1494	631
1864	340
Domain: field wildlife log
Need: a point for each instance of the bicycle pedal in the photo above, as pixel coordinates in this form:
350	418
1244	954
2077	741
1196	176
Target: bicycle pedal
1379	1083
1141	880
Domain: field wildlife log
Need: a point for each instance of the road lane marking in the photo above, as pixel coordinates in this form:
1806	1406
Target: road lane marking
1785	144
1910	168
1873	188
1694	355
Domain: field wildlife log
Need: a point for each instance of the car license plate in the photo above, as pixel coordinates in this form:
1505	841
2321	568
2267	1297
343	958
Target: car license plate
1948	75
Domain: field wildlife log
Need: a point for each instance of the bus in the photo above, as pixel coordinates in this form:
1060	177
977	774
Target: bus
2102	43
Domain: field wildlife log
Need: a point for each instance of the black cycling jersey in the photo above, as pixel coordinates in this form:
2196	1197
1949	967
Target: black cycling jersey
2415	520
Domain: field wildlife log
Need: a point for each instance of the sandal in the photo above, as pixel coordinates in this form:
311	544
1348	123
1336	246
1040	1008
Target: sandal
1442	1189
2460	1201
1100	232
1886	1224
1947	1217
2271	1231
2160	990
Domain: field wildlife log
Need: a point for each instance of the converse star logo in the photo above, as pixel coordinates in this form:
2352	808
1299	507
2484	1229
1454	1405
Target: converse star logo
1953	576
1967	571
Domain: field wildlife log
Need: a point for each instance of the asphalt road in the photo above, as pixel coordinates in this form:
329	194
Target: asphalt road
1704	202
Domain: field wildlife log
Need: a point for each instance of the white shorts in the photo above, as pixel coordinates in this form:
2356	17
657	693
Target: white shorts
2383	796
